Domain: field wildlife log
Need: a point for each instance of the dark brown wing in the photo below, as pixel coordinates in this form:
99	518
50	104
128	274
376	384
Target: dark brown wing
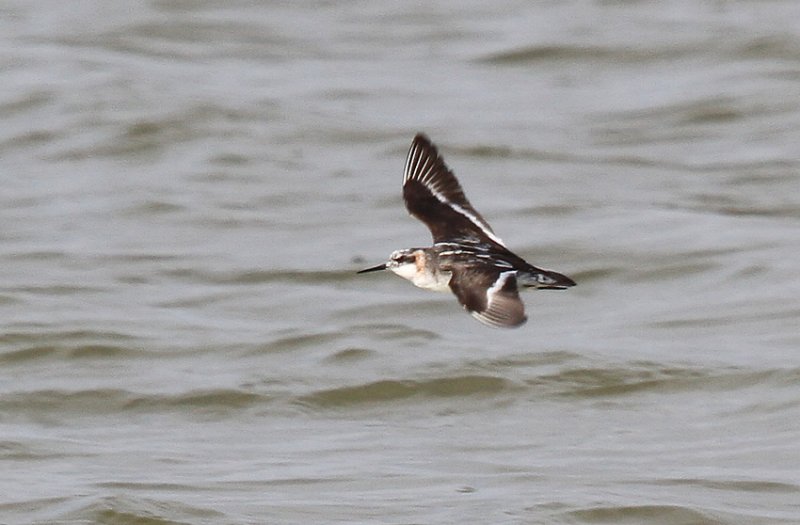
433	195
491	296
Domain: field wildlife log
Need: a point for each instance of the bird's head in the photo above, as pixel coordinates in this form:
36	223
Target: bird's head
398	262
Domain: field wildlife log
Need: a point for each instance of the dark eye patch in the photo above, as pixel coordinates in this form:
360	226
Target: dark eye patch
405	258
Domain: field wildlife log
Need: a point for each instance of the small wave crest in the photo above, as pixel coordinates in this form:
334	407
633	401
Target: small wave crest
394	390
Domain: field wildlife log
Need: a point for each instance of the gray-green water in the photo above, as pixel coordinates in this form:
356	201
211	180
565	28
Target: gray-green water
189	187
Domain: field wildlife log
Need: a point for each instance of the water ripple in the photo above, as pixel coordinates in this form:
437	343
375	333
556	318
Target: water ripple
105	401
393	390
667	514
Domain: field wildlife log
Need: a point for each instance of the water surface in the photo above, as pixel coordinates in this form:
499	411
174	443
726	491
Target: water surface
188	190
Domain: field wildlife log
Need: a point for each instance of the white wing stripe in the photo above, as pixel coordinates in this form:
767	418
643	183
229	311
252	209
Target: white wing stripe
471	217
498	285
420	167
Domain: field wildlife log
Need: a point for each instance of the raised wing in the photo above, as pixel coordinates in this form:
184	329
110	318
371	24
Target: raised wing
433	195
490	296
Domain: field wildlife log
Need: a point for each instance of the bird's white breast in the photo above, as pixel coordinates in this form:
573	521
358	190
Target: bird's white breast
435	281
406	271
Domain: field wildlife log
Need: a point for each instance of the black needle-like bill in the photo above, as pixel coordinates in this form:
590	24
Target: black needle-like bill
373	268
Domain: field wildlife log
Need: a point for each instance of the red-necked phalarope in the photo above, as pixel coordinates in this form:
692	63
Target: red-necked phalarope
467	257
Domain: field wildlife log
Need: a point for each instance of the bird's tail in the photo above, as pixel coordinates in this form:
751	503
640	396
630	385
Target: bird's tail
544	279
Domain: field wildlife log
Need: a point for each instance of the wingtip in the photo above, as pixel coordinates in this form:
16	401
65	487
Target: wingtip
421	139
421	135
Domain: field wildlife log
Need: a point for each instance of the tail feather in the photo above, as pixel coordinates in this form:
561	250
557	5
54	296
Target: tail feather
544	279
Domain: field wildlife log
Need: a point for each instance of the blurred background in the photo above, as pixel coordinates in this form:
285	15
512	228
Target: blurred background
188	188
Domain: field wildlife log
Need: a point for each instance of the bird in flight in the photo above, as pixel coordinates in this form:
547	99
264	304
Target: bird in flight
467	257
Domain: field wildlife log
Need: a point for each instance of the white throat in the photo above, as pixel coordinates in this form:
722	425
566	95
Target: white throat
435	281
406	271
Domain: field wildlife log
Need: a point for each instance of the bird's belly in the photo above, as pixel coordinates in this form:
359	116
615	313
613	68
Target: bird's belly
437	282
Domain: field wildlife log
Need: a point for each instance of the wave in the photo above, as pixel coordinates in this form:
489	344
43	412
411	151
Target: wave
666	514
391	390
506	381
576	53
104	401
128	510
